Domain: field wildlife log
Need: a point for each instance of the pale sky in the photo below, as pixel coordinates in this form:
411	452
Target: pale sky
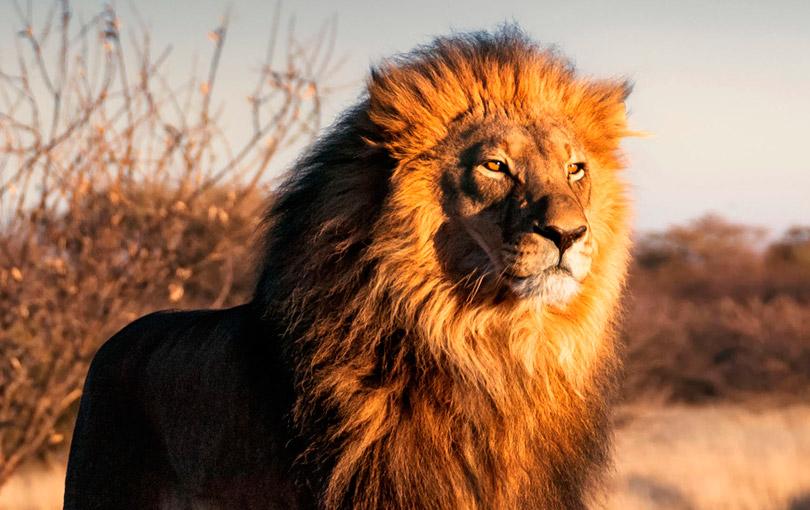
723	85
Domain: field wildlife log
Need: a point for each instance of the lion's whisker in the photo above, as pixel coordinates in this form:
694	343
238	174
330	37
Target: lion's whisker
494	260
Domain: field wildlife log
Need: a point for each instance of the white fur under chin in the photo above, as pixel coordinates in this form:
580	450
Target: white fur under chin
554	287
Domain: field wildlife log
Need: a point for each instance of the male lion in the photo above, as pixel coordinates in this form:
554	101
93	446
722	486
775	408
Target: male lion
432	324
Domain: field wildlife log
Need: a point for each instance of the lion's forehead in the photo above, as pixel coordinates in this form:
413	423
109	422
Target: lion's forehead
528	140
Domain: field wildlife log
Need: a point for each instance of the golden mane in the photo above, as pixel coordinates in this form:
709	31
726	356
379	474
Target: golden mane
415	392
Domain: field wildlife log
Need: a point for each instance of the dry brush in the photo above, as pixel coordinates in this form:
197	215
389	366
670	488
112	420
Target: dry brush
121	194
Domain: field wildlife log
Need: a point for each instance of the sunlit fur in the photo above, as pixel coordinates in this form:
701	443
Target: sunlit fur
413	392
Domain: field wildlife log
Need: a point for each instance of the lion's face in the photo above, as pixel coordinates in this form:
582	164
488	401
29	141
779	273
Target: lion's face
515	197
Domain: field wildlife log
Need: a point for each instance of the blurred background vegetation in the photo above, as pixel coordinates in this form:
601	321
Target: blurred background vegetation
121	195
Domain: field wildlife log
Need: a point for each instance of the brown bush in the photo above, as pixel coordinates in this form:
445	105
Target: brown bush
119	196
711	314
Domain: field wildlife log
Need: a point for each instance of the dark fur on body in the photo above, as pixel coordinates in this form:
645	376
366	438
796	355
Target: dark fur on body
361	376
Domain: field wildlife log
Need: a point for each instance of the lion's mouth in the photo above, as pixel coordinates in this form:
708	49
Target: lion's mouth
555	285
552	270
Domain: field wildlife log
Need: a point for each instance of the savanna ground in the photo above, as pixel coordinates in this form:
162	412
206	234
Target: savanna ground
667	458
120	194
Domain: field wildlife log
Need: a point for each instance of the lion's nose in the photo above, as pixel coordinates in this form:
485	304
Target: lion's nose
561	237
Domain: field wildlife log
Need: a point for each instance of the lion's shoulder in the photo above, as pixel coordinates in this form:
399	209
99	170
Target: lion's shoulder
203	390
190	351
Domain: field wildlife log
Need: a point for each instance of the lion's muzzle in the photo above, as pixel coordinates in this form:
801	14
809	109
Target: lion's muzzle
550	260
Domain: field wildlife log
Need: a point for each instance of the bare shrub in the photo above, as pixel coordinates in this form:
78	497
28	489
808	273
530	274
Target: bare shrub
120	195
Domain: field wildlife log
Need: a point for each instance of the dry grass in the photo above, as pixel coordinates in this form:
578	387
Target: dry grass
673	458
34	488
712	458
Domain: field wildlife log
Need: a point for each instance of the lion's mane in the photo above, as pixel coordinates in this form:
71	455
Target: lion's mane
412	392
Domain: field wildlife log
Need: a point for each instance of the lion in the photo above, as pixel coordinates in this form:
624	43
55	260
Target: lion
434	313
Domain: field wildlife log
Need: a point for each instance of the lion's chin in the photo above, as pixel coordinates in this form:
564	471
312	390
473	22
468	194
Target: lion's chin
554	286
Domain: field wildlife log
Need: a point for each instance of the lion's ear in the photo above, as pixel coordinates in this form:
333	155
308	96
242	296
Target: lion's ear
411	104
621	111
609	109
616	116
623	88
391	108
635	133
620	115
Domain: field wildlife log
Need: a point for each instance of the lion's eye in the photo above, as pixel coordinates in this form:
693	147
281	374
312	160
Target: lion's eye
494	165
576	171
493	168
